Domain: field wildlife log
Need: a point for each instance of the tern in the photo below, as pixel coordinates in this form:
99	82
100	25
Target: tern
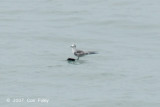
80	53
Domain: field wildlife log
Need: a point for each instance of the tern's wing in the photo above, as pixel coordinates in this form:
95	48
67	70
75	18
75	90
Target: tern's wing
79	53
91	52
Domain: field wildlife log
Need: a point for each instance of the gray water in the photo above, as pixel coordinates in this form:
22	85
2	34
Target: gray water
35	39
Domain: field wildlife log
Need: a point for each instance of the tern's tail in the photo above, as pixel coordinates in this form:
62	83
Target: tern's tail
91	52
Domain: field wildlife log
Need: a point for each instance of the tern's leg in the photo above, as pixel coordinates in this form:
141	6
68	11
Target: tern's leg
78	58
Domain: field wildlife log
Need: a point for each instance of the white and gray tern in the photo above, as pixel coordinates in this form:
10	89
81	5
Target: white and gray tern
80	53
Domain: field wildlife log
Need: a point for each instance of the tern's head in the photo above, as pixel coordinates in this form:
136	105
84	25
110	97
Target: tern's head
73	46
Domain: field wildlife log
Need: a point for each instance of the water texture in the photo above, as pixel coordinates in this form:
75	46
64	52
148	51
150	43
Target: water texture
35	39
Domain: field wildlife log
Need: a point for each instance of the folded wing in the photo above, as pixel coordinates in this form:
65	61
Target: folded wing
91	52
79	53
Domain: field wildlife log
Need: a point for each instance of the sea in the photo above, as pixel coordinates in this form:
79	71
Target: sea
35	40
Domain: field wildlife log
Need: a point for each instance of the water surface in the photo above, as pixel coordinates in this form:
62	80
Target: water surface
35	39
